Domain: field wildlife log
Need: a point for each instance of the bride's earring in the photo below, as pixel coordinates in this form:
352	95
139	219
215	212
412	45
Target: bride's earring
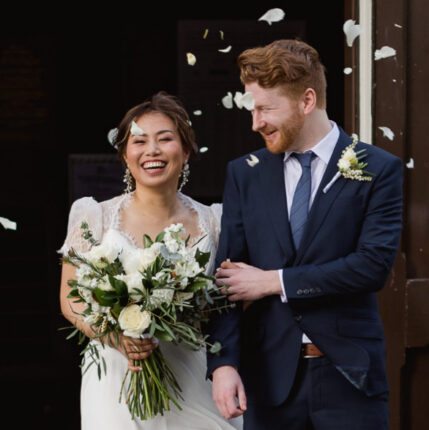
185	176
128	181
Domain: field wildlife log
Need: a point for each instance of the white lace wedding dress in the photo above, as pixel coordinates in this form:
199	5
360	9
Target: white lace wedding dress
100	407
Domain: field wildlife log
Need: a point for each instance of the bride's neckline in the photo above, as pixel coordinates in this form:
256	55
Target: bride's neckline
126	200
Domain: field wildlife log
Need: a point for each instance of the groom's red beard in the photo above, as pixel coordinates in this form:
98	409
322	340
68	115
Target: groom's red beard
286	135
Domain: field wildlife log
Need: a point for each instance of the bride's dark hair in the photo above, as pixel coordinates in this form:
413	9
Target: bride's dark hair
170	106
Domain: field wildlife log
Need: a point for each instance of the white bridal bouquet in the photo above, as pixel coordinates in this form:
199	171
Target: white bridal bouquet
159	291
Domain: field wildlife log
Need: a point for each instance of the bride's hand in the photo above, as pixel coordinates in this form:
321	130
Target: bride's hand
135	349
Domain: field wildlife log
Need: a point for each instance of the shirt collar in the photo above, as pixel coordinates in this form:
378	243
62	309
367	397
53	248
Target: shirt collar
325	147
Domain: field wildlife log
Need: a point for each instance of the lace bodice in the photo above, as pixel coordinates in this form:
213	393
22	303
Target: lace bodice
104	216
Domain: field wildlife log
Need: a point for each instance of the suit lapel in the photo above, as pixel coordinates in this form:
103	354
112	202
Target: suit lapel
274	194
323	201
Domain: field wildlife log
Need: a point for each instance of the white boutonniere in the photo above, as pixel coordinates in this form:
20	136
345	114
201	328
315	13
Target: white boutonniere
351	165
253	161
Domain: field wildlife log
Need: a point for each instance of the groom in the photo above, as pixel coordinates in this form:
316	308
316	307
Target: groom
304	347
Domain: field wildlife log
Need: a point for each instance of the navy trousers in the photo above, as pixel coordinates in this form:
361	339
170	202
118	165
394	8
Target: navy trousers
321	399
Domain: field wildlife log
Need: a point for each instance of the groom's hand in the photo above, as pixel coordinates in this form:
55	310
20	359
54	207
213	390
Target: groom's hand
227	387
247	282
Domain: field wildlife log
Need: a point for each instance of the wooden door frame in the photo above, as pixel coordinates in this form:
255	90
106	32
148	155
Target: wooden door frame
382	21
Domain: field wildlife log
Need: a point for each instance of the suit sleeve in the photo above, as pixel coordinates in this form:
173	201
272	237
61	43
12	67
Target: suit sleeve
367	268
225	327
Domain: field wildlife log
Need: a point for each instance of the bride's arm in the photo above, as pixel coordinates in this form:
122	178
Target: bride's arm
132	349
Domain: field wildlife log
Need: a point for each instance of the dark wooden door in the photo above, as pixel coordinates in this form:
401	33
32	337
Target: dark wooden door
401	86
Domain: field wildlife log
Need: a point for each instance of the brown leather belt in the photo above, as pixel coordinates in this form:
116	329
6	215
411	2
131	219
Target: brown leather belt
310	350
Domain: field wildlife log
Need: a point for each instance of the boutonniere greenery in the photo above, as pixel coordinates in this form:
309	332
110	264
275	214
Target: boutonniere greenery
352	165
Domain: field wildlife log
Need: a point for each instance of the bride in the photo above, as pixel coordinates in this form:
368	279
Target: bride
155	140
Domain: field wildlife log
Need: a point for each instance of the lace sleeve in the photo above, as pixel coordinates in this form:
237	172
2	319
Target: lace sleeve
88	210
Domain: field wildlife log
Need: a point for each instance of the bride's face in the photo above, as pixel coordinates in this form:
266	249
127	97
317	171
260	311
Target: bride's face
156	158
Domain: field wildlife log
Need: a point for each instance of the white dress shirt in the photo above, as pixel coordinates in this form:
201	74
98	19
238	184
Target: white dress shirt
292	170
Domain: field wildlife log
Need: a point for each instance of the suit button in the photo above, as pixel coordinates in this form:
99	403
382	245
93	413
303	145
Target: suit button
297	318
306	291
299	292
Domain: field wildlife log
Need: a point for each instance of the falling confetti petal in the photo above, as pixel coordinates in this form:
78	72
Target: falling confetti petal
393	80
191	58
384	52
221	34
410	164
136	130
351	30
197	112
253	160
272	15
206	33
227	101
246	100
348	70
397	25
111	136
237	99
7	223
387	132
189	122
203	149
226	50
355	136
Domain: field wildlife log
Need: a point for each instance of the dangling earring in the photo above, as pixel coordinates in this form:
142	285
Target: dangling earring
128	181
185	176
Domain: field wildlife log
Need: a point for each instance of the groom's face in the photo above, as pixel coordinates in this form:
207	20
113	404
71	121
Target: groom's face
277	117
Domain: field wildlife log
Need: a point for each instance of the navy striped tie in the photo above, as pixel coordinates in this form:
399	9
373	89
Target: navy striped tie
301	198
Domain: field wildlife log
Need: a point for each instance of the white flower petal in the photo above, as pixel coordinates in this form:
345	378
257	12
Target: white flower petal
197	112
237	99
272	15
351	30
394	81
397	25
225	50
7	223
206	33
253	161
354	136
221	34
384	52
112	135
248	101
410	164
227	101
191	58
190	122
348	70
203	149
136	130
387	132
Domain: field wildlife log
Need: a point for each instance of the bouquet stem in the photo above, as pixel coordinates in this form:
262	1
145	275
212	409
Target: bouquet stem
150	391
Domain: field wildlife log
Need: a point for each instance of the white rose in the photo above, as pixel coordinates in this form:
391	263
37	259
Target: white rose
344	164
133	321
101	255
187	269
138	259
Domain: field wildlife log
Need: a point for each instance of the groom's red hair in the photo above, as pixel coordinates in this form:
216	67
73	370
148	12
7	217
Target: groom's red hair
291	64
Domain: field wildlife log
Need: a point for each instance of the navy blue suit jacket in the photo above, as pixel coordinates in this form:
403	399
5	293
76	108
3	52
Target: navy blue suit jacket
345	256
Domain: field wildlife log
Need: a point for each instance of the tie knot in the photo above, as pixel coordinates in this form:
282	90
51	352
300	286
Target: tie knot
304	158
